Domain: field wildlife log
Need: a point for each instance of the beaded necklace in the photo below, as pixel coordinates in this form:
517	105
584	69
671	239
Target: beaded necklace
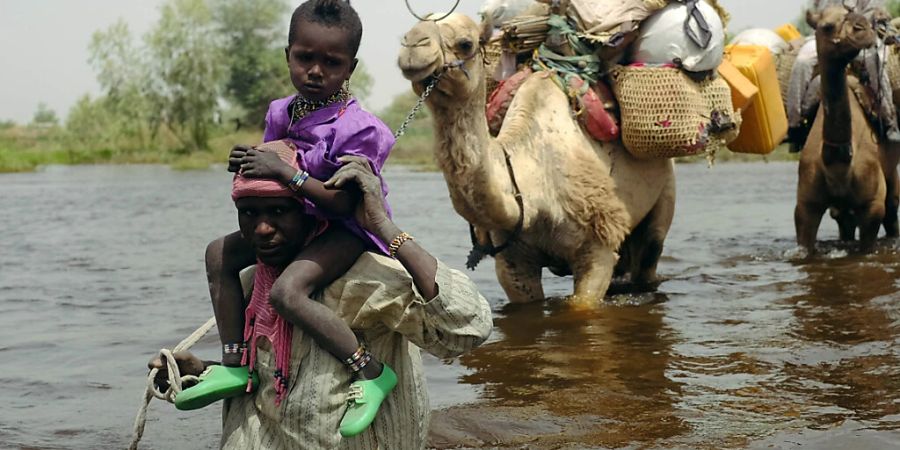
301	107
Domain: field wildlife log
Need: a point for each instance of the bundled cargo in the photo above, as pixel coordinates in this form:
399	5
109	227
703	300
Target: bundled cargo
666	46
524	34
606	21
665	114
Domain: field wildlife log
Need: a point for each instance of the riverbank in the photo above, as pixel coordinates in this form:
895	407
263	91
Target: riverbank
24	149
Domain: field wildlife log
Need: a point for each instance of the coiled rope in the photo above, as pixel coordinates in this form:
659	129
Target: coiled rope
175	380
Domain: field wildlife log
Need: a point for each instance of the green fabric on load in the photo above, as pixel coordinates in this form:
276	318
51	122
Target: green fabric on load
585	64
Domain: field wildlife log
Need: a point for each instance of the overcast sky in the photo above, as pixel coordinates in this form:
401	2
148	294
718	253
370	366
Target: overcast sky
43	43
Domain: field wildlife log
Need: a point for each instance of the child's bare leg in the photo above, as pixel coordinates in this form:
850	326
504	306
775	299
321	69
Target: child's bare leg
225	258
326	258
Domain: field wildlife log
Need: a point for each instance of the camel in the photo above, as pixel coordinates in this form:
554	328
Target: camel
543	189
842	168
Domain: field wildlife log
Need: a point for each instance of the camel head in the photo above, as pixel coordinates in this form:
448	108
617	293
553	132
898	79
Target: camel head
449	48
840	34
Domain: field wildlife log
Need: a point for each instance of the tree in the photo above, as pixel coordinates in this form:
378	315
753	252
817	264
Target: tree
361	82
122	72
44	116
188	70
254	39
91	125
893	7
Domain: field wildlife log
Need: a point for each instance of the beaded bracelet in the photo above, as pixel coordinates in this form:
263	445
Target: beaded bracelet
298	180
397	242
232	349
359	359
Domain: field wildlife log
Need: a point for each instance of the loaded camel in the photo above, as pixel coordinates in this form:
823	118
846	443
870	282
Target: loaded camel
842	168
543	189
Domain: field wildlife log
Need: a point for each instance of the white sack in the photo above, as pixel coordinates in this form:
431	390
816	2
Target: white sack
764	37
663	39
499	11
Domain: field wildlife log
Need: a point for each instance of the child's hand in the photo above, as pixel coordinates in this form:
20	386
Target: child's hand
236	157
265	163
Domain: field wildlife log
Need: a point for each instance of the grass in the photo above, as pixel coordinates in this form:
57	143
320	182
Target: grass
23	149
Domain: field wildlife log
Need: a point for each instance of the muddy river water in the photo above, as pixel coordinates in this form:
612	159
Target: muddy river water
746	344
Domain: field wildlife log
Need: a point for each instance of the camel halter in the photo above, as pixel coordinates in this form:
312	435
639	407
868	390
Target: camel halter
421	19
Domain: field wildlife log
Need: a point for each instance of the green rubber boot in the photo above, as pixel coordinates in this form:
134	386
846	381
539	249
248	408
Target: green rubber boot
365	399
216	383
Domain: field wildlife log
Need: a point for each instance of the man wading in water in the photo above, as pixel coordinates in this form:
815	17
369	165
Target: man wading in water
395	307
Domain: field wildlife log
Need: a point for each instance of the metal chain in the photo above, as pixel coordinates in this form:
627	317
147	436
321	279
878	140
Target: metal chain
421	101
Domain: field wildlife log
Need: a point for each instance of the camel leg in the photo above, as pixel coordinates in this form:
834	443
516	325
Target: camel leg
891	203
593	270
654	229
520	280
846	225
890	156
807	218
869	224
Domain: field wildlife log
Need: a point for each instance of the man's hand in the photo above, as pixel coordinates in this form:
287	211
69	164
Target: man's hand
370	211
188	364
236	157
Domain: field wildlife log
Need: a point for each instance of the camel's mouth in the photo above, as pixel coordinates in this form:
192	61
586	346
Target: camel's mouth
419	72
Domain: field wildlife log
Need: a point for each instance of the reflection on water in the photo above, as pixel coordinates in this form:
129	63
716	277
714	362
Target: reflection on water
746	344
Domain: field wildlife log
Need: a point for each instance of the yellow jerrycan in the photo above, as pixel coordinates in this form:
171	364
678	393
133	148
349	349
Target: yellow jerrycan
764	121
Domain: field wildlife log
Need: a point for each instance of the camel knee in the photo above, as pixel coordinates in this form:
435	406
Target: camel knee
593	274
520	281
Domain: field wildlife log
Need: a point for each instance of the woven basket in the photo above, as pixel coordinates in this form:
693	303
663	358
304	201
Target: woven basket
665	114
784	64
492	51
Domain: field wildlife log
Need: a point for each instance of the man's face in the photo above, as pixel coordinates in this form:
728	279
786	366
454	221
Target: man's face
319	60
276	227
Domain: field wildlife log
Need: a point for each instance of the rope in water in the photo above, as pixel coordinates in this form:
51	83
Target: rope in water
175	380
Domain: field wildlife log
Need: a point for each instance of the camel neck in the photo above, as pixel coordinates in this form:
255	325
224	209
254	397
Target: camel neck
838	129
461	131
473	162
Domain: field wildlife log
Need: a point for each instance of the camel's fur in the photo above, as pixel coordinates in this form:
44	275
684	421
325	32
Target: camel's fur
581	198
854	188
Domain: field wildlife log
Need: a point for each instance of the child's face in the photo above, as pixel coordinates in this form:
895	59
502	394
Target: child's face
319	60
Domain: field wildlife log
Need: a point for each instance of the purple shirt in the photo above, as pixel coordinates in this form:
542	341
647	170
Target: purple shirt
328	133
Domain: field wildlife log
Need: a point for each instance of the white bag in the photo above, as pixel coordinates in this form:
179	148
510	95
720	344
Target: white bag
764	37
664	38
499	11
